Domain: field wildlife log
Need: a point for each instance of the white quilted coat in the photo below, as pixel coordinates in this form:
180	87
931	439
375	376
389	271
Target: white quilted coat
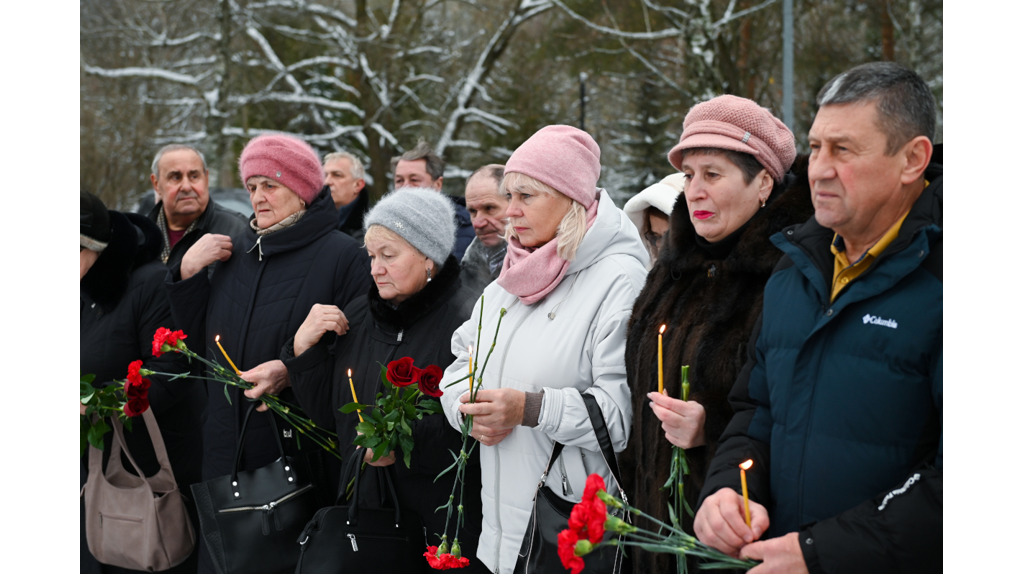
572	341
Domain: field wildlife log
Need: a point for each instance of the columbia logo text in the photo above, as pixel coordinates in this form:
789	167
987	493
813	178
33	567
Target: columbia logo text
876	320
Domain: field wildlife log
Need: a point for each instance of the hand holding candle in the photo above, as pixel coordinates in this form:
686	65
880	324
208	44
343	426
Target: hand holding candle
744	467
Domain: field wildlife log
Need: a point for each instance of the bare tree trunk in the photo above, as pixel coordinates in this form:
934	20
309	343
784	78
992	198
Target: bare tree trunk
885	20
217	143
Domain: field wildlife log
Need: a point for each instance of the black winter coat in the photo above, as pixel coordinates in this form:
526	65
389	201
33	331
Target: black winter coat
215	219
255	301
123	303
421	327
710	305
840	402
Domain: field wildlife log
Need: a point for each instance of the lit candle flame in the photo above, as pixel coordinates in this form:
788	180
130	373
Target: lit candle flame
662	330
216	339
350	373
747	464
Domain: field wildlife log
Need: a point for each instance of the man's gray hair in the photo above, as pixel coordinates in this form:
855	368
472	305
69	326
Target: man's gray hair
435	165
155	167
358	171
495	171
906	107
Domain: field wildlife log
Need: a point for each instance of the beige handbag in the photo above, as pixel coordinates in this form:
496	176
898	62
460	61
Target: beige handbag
133	521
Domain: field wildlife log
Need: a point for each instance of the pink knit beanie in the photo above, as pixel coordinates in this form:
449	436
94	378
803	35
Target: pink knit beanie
564	157
286	160
737	124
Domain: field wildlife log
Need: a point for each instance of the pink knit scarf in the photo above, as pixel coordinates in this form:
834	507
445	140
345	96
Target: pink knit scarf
530	273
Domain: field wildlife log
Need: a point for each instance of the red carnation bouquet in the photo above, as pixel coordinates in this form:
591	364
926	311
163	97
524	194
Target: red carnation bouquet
590	519
387	424
124	401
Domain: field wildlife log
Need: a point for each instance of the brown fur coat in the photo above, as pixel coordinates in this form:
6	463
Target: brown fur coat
710	307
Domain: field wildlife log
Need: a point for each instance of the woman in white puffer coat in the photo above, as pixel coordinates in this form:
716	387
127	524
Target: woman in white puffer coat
574	266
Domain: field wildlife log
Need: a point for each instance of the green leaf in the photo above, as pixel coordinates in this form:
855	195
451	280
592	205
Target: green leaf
366	428
87	378
408	458
128	423
226	394
393	416
410	410
96	433
384	377
352	407
431	406
406	428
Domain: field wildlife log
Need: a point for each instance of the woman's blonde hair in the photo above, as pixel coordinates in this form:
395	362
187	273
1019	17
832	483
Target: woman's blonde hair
573	225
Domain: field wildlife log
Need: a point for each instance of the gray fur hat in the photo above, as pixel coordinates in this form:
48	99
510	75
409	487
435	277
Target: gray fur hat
422	216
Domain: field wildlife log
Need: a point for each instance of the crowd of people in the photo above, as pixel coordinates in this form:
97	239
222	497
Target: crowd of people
804	292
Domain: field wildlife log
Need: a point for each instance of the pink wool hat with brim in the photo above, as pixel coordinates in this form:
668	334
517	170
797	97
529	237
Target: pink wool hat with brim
737	124
564	157
286	160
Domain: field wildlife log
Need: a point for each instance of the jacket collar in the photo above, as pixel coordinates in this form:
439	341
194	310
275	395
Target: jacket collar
814	240
321	218
202	222
426	300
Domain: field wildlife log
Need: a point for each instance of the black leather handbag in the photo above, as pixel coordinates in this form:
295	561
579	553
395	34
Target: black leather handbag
249	519
539	552
350	539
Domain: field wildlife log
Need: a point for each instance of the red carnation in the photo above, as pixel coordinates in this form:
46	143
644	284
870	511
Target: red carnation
402	372
445	561
430	381
165	336
567	540
136	406
134	378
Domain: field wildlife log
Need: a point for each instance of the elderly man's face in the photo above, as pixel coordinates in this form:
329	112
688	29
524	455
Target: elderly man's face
344	189
183	186
414	174
487	209
852	180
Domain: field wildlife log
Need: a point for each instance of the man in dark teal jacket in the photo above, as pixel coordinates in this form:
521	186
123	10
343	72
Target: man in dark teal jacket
840	404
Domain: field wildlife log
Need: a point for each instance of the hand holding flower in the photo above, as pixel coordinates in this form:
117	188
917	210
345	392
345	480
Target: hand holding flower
269	378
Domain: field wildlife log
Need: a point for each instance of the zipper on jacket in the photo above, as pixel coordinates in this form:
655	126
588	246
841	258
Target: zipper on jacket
497	454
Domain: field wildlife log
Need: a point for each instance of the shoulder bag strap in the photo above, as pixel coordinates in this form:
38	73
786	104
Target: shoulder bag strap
601	430
241	438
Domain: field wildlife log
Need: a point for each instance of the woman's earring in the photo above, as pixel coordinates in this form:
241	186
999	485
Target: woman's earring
763	202
428	274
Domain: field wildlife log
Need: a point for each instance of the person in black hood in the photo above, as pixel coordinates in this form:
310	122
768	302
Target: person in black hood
292	258
416	304
122	305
